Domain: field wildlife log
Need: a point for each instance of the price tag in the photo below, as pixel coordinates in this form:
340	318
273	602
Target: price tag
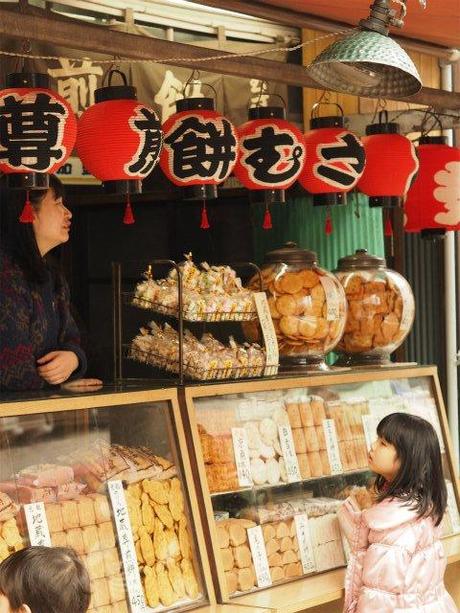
289	454
307	557
241	451
37	524
370	429
332	298
332	446
127	549
408	308
259	556
268	332
452	507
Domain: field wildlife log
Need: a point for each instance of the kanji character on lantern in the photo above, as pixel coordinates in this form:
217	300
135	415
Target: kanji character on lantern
341	162
201	148
277	156
147	125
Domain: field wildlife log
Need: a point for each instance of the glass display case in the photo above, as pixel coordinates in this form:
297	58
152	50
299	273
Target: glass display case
107	474
275	460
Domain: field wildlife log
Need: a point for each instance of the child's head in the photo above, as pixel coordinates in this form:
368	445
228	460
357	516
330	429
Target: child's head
407	459
44	580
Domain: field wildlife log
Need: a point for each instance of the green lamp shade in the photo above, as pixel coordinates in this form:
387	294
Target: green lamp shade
366	64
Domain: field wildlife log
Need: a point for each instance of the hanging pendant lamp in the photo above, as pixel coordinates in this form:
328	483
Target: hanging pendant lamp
367	62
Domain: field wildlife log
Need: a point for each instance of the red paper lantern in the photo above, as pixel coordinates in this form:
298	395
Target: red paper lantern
200	148
119	139
335	160
271	154
391	164
37	130
433	205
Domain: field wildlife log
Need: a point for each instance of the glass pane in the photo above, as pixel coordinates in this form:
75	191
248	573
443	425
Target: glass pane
305	450
66	460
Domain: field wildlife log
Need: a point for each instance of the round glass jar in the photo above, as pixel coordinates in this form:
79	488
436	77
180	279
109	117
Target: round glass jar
381	309
307	305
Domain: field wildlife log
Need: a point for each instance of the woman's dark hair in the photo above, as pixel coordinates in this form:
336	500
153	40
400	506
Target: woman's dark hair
420	480
18	239
47	579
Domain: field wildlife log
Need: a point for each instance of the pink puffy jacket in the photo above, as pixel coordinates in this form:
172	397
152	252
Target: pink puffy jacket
397	562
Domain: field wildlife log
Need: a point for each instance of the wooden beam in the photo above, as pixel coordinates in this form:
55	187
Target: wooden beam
74	34
288	17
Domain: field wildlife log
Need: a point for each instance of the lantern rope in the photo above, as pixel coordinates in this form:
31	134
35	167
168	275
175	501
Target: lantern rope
171	60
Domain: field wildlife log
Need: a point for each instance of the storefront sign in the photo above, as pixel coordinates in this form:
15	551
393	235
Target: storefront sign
268	332
289	454
259	556
307	557
242	459
37	524
127	549
332	446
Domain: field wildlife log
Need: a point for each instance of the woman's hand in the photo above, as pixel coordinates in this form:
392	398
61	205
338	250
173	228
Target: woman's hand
56	366
83	384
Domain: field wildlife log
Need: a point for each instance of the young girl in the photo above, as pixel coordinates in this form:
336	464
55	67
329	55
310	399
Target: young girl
44	580
397	562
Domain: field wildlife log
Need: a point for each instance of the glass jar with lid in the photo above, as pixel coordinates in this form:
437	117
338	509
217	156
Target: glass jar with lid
307	305
381	309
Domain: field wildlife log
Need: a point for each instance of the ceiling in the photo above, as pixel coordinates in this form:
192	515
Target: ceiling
439	23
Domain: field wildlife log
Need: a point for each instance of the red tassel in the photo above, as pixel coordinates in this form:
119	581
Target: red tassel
267	224
204	225
328	226
388	227
27	215
128	217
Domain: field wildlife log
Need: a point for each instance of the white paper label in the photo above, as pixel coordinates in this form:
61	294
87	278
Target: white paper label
268	332
307	557
127	549
332	446
37	524
241	451
259	556
370	429
453	507
332	298
289	454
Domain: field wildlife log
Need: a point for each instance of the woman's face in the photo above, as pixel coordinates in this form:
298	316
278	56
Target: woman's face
51	223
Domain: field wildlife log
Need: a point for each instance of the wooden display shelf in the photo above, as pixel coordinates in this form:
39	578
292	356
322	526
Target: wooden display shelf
316	590
313	590
230	608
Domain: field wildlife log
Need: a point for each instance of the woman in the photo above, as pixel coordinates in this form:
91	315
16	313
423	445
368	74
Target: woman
39	340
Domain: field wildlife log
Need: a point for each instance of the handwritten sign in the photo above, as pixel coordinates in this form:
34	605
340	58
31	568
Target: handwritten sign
268	333
259	556
370	429
289	454
332	298
242	459
307	557
37	524
332	446
127	549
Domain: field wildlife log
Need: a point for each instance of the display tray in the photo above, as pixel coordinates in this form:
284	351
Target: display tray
189	314
198	374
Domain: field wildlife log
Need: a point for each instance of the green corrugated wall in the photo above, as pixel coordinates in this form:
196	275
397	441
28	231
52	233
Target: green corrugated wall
298	220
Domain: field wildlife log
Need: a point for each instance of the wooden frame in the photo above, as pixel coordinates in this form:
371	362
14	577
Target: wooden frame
312	590
126	399
36	24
